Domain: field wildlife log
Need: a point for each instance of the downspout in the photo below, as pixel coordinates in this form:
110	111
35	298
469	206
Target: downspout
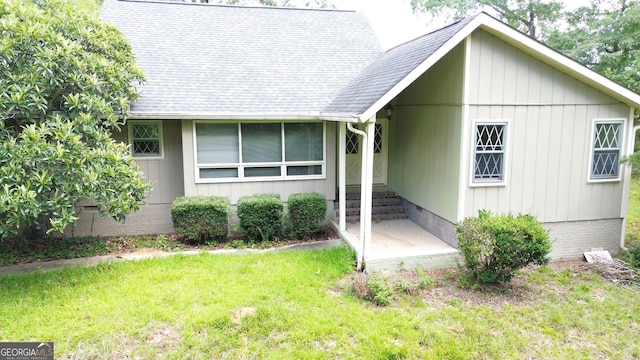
362	196
626	192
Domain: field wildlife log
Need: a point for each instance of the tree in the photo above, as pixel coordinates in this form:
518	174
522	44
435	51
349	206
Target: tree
66	81
533	17
606	38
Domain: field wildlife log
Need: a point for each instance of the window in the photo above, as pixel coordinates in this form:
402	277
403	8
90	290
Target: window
259	151
607	141
146	139
489	152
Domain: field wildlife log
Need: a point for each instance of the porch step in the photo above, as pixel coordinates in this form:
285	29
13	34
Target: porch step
385	206
443	260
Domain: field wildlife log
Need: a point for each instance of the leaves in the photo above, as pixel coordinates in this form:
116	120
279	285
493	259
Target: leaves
66	81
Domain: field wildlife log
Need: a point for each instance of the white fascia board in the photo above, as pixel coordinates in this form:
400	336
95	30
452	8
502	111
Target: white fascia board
224	116
558	60
423	67
339	117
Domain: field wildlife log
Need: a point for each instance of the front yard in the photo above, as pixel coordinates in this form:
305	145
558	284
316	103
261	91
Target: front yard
299	305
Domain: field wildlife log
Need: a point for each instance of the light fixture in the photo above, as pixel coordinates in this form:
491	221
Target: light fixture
388	110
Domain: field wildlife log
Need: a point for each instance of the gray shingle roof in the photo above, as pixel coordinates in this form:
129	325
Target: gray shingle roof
209	59
389	69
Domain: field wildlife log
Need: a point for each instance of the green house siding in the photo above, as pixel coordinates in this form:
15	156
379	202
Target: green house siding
549	136
425	138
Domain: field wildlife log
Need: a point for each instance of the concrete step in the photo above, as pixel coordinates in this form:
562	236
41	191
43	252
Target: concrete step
385	206
428	261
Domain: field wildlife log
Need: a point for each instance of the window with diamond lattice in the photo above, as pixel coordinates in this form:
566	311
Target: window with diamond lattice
377	142
489	152
146	138
352	142
607	138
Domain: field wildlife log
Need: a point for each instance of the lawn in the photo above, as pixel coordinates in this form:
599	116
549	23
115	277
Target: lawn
290	305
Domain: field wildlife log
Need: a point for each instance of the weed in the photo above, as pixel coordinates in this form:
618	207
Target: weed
425	282
381	291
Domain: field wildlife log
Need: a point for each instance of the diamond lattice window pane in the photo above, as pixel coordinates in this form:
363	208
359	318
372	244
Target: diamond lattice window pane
489	137
488	166
352	143
377	142
146	147
607	136
605	163
145	131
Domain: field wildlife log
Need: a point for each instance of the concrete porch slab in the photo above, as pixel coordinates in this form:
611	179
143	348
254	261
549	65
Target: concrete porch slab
402	244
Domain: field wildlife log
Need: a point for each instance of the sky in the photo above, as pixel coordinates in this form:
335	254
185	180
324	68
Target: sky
394	22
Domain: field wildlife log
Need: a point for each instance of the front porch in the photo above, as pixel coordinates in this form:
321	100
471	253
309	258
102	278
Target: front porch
400	244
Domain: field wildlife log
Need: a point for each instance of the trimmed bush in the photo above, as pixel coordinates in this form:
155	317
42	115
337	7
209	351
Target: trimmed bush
261	216
494	247
306	213
202	219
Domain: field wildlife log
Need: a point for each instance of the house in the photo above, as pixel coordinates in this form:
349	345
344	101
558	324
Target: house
473	116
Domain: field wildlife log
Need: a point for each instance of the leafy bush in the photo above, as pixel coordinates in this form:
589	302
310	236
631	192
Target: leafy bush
306	212
494	247
261	216
201	218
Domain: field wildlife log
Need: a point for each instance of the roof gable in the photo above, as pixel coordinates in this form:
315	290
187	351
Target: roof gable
207	60
391	73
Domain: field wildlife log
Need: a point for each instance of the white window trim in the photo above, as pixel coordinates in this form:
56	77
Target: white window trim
241	166
161	132
473	182
620	121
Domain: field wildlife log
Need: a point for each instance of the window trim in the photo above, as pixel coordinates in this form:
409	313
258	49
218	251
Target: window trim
283	164
160	138
594	122
473	182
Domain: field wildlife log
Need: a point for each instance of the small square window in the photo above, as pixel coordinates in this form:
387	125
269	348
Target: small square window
146	139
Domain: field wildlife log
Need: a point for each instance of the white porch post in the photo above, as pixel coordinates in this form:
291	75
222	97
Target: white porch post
342	176
367	183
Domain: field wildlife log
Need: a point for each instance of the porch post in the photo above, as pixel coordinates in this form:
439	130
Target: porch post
367	182
342	175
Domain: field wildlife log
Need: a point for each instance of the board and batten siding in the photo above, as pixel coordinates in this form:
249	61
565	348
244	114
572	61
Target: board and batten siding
425	138
549	136
154	216
234	190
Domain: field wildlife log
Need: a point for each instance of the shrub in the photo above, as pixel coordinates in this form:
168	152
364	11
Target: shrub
494	247
306	212
201	218
633	255
261	216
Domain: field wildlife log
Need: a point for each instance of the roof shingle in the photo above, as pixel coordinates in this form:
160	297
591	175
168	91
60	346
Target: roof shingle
389	69
211	59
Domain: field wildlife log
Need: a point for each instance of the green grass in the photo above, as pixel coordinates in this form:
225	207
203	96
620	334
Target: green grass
191	307
633	213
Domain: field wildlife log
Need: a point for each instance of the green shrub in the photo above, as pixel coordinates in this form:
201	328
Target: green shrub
632	257
261	216
201	218
306	213
494	247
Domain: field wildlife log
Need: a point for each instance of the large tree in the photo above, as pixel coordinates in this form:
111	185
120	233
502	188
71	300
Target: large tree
66	82
605	37
533	17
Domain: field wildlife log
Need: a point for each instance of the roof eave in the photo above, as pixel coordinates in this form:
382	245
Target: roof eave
142	115
522	42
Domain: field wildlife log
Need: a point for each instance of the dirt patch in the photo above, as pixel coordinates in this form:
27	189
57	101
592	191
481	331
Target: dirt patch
164	338
437	289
